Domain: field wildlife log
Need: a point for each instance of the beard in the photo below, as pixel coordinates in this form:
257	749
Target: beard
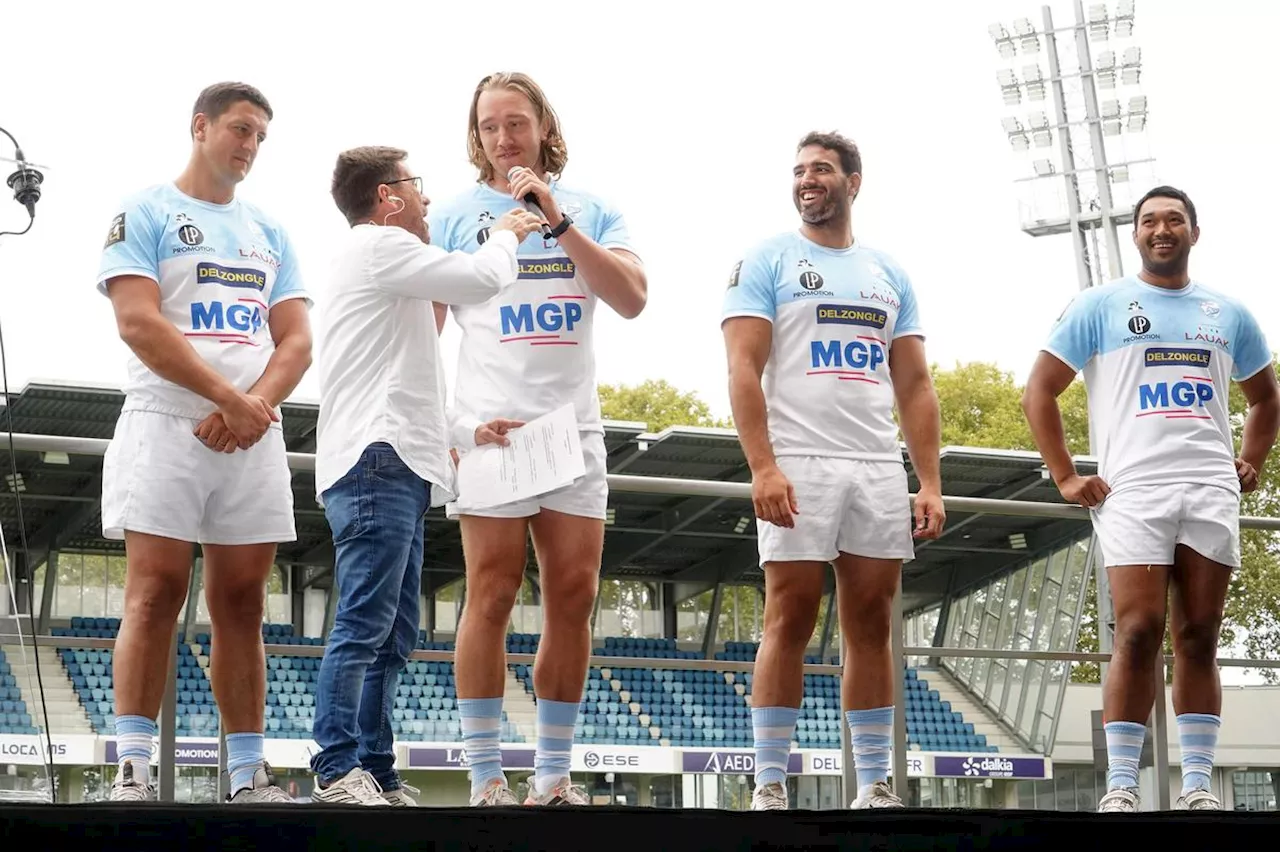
819	214
1168	266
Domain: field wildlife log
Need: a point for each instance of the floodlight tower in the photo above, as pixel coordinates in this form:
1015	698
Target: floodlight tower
1085	191
1078	195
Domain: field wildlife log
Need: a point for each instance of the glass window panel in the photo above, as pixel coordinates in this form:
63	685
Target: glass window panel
1031	689
1035	587
1017	672
1045	616
995	686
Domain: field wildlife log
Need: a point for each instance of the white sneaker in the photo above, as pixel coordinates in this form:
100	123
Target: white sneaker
1122	800
494	794
127	788
878	795
357	787
1198	800
563	793
402	796
769	797
263	791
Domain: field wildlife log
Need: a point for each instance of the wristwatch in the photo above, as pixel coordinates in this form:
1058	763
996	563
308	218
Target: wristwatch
555	232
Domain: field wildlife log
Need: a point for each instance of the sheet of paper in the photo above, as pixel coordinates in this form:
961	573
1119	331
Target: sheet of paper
544	454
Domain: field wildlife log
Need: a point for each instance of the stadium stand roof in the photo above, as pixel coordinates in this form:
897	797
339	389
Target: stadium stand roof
691	541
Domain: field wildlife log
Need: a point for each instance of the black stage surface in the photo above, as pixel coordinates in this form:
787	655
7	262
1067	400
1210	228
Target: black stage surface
607	829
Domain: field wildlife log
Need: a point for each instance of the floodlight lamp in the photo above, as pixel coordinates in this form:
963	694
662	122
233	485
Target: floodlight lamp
1106	59
1120	174
1137	123
1026	35
1138	105
1038	119
1124	18
1111	128
1019	142
1005	78
1110	109
1004	43
1099	26
1043	168
1011	125
1042	138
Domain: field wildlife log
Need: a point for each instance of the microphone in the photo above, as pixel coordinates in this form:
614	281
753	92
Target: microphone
529	197
25	183
531	200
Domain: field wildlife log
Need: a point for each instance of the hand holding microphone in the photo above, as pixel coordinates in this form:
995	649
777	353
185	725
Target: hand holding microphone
526	186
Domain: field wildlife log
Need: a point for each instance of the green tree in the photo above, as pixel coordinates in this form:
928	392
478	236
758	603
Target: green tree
658	404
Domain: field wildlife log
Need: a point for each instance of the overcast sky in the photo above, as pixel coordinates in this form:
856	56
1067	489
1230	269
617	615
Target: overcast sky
685	115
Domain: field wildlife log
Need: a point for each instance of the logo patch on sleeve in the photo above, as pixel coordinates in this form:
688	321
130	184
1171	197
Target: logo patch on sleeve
116	233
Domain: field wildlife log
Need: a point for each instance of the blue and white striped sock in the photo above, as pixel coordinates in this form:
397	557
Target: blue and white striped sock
244	756
552	758
1124	748
481	739
871	737
772	728
134	736
1198	738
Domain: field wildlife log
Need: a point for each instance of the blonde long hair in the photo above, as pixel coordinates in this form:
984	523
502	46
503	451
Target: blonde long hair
554	154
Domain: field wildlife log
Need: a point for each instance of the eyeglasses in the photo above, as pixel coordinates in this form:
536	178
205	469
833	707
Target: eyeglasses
417	182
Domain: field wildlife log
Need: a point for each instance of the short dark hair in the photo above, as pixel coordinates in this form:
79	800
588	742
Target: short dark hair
850	158
218	98
1165	192
357	176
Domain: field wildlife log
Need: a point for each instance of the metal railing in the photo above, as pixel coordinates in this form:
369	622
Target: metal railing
700	488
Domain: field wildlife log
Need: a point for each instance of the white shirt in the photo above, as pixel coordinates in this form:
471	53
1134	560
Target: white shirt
381	378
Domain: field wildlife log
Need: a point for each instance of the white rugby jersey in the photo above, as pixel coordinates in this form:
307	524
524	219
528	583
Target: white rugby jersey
1157	367
530	349
835	315
221	268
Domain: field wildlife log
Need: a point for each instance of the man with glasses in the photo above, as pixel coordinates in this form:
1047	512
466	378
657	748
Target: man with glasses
382	453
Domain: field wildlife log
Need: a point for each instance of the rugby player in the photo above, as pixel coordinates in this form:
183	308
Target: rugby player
1159	351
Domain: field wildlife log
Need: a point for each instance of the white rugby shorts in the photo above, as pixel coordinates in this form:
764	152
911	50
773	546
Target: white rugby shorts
158	478
862	508
587	496
1141	525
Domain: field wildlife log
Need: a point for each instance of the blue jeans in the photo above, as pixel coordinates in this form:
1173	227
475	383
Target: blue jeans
376	513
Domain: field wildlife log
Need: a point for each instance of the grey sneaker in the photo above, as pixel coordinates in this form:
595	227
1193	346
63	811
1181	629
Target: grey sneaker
128	788
402	796
357	787
769	797
1123	800
1198	800
878	795
495	794
564	793
263	791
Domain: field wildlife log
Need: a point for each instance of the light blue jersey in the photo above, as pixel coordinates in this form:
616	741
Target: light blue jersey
835	316
221	268
1157	366
529	350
